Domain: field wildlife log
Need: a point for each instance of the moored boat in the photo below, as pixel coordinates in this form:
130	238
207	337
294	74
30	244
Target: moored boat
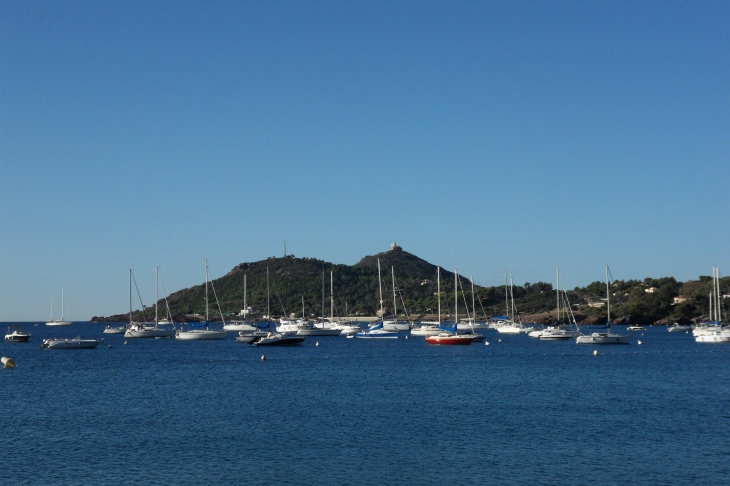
61	321
204	334
607	337
75	343
109	329
448	338
16	336
678	328
713	330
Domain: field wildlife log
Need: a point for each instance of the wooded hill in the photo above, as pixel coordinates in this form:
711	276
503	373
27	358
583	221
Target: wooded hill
356	293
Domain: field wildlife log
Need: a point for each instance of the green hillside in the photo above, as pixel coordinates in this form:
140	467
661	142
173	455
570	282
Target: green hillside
292	279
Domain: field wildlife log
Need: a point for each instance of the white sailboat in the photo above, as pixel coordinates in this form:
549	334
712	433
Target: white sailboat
511	325
560	331
274	338
432	328
143	329
61	321
712	331
205	334
605	337
241	325
395	325
377	331
325	327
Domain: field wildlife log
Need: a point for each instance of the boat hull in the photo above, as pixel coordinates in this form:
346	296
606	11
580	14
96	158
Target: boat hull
239	327
115	330
200	335
58	323
280	341
450	340
16	337
319	332
603	338
149	333
679	328
396	326
377	335
70	343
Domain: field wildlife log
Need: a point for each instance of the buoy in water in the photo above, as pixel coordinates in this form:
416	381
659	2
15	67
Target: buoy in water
595	352
7	362
125	343
486	343
406	336
499	340
317	343
110	346
263	357
639	342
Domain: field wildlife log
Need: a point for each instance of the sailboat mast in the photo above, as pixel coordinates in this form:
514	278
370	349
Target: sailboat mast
395	301
322	314
380	286
157	293
506	295
130	295
332	299
473	306
438	290
608	300
302	307
245	309
62	302
456	296
557	291
206	292
716	285
130	305
268	303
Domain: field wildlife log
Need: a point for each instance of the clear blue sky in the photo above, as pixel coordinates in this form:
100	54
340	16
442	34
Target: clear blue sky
483	136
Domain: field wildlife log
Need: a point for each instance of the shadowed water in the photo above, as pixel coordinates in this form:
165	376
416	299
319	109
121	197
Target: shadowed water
365	412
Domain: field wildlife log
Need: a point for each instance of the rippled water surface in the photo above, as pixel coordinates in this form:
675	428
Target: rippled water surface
365	412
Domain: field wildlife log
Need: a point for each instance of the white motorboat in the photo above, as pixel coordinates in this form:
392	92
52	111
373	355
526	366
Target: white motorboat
204	334
144	329
278	339
61	321
678	328
553	334
605	337
75	343
635	327
16	336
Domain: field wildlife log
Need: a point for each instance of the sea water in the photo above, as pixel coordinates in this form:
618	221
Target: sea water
351	411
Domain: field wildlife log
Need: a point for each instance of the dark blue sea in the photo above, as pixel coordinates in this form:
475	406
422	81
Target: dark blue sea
352	411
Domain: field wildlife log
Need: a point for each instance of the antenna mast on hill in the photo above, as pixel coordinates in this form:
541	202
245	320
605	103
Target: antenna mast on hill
284	248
